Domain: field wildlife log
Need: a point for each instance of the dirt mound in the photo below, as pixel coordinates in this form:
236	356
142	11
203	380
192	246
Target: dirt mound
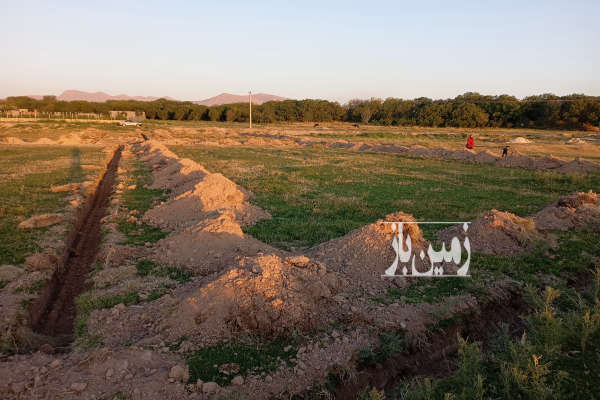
419	150
579	166
365	253
39	261
195	191
42	220
549	162
211	193
496	232
440	152
362	147
461	155
579	211
516	159
485	156
519	139
264	294
178	176
211	245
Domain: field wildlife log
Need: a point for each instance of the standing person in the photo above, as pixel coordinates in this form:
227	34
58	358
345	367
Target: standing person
505	151
470	142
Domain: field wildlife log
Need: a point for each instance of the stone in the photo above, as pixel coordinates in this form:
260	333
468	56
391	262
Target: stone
78	386
55	364
42	220
199	384
40	261
65	188
209	387
238	380
179	373
109	373
47	348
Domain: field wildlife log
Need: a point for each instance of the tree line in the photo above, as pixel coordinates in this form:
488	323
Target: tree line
470	110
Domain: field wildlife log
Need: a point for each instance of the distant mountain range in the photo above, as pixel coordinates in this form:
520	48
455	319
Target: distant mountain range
226	98
101	97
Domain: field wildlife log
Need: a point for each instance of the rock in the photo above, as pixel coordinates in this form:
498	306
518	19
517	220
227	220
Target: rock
39	261
65	188
199	384
78	386
179	373
109	373
55	364
238	380
47	348
268	378
209	387
287	348
42	220
131	187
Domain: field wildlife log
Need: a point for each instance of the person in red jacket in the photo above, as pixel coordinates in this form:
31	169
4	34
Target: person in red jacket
470	142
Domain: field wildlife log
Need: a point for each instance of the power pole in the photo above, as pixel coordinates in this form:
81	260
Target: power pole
250	98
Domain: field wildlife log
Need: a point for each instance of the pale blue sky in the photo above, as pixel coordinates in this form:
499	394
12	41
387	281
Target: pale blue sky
336	50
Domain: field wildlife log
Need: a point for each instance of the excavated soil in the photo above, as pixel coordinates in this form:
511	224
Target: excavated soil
514	159
496	232
579	211
54	312
242	286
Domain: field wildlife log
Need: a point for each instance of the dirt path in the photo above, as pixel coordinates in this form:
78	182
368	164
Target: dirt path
54	313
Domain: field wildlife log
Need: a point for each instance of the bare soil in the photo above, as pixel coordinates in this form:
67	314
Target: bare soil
54	312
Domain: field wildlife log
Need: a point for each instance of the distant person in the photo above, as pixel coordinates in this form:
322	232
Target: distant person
470	142
505	151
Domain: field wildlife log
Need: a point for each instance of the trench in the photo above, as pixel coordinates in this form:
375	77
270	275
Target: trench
435	360
53	314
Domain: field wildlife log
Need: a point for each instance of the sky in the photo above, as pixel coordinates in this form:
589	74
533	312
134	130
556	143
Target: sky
335	50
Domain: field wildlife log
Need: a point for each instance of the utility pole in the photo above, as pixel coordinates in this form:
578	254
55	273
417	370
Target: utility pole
250	98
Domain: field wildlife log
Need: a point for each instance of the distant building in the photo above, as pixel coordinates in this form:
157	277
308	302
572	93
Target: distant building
132	115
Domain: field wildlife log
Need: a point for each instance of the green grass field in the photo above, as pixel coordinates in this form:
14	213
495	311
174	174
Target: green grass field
27	174
316	194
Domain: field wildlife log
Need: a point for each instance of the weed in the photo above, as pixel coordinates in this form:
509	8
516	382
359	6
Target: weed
251	358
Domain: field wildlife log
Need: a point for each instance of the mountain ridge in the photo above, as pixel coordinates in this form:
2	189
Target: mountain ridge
220	99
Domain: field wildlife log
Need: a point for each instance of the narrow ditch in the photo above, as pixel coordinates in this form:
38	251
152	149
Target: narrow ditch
53	314
435	360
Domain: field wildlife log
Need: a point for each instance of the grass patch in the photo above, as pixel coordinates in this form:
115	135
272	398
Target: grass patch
316	194
575	254
390	343
251	359
138	235
148	267
27	174
558	357
427	291
141	199
85	304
